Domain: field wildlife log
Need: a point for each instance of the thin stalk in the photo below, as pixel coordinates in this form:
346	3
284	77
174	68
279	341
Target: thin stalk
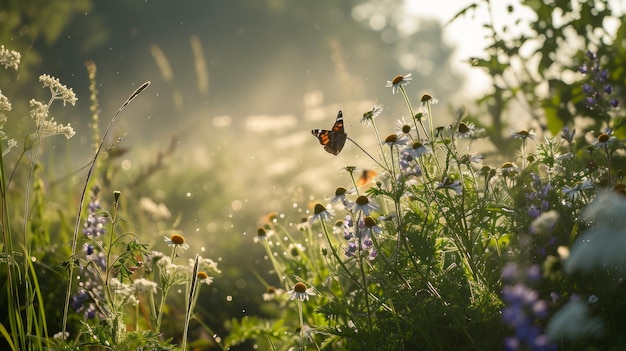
92	166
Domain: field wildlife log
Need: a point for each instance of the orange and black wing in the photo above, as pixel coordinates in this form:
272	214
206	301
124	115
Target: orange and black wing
332	140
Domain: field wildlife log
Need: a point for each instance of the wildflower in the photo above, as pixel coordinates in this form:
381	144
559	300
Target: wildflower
144	285
522	308
295	249
271	293
340	195
604	140
428	99
166	265
393	139
94	225
369	116
508	169
370	226
203	277
322	213
304	224
415	150
300	292
402	128
576	190
261	235
567	134
545	222
364	205
597	90
58	90
9	58
448	183
47	127
61	336
468	159
398	81
177	240
88	249
466	130
351	249
206	264
524	134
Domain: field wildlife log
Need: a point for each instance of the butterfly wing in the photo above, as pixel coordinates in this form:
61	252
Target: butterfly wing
366	176
332	140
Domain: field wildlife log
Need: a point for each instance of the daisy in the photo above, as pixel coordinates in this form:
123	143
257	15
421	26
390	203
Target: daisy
524	134
428	99
508	169
397	82
575	191
300	292
393	139
322	213
415	150
402	128
262	234
604	140
340	195
370	226
364	205
370	115
177	240
203	277
467	130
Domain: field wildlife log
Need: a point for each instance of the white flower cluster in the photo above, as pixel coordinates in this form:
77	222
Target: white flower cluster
9	58
58	90
5	105
47	127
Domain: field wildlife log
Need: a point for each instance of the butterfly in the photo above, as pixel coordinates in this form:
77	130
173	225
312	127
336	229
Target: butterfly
332	140
367	175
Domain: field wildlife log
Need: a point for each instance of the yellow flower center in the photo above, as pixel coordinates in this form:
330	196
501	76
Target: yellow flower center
340	191
603	138
406	129
507	165
523	133
299	288
417	145
397	79
463	128
392	138
426	97
369	222
271	289
202	275
362	200
177	239
261	232
319	208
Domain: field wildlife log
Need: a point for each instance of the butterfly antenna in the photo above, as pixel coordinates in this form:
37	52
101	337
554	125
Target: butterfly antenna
367	153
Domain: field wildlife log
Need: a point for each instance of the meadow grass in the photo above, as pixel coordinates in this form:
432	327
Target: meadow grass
432	248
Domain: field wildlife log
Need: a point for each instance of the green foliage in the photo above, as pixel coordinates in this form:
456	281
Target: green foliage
439	250
532	62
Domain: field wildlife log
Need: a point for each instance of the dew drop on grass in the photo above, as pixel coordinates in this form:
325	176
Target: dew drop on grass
188	194
243	311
